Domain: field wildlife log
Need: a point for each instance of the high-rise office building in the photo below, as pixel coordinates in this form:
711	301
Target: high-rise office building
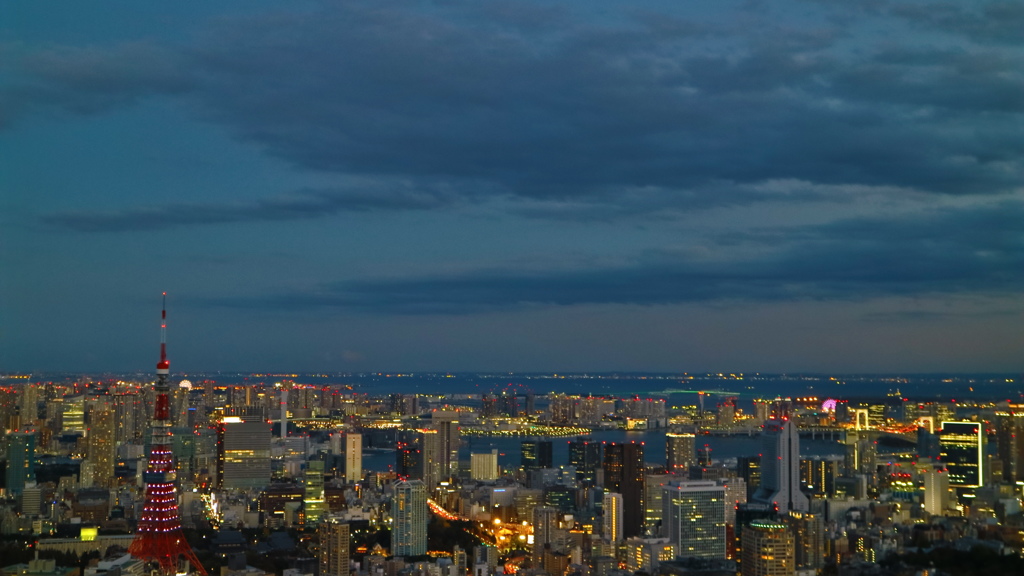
243	452
808	540
20	460
73	415
768	549
28	405
313	502
936	492
680	452
962	450
410	515
818	476
484	465
653	498
334	548
102	447
418	456
545	530
585	456
536	454
780	468
449	438
1011	449
749	469
624	473
128	414
612	525
694	518
353	447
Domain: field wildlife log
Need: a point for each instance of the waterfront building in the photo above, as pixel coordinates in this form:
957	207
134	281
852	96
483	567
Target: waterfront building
536	454
585	455
780	468
680	452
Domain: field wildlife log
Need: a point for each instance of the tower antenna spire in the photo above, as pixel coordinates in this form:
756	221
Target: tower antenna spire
164	366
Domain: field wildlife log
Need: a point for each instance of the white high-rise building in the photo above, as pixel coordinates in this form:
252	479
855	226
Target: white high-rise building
694	518
612	523
484	465
780	468
936	492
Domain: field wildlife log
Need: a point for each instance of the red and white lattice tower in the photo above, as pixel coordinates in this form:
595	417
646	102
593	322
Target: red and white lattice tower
159	538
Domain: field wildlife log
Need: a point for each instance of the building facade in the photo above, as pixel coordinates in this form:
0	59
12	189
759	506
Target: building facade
410	516
694	518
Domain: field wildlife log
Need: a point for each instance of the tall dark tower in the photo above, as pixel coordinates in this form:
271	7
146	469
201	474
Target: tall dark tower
159	538
624	473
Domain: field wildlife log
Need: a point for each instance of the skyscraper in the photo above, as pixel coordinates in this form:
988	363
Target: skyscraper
536	454
808	540
780	468
624	473
680	452
73	415
1012	452
484	465
962	450
448	450
417	455
353	457
768	549
936	492
334	548
409	519
585	456
20	460
102	448
611	506
243	452
313	501
545	529
694	518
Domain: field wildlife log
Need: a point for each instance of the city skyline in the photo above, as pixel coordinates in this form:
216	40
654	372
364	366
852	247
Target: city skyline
743	186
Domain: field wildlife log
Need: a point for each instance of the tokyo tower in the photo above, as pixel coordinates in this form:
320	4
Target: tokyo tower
159	537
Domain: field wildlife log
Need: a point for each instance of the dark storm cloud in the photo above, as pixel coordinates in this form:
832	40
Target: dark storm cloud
997	22
305	205
87	80
980	250
585	111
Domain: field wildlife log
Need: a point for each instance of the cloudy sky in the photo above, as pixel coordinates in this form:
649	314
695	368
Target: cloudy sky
513	185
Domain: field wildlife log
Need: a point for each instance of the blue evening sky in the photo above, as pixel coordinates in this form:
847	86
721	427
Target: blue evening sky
792	185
